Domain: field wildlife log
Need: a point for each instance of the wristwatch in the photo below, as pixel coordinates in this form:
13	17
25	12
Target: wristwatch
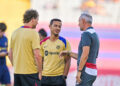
64	77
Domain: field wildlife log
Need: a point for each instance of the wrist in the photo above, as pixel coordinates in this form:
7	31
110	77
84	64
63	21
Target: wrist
68	54
79	70
64	77
6	53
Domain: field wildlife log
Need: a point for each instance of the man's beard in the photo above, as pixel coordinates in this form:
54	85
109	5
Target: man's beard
34	26
56	35
81	29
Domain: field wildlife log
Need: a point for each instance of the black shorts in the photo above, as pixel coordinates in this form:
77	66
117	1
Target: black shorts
53	81
26	80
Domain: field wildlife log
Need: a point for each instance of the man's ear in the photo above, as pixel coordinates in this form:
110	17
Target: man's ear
33	19
84	21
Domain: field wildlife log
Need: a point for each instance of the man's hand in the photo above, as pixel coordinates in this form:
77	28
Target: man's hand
68	54
2	54
40	76
64	77
78	79
64	53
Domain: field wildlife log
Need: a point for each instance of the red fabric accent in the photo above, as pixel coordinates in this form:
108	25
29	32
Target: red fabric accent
35	84
90	65
44	40
27	27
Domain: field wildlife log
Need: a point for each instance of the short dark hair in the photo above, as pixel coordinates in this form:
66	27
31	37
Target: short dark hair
29	14
55	19
3	27
42	32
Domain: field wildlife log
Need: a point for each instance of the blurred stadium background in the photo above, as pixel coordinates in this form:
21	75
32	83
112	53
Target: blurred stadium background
106	14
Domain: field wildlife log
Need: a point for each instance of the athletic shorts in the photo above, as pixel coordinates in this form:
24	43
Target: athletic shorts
87	80
26	80
53	81
4	75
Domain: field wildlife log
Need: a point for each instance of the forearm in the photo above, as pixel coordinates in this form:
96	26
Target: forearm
67	66
10	55
11	60
38	60
84	57
82	62
73	55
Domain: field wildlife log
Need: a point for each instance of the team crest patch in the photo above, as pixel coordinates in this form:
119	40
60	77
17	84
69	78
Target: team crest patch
58	46
45	46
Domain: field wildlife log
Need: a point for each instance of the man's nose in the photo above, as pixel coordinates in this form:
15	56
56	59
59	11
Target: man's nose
58	27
